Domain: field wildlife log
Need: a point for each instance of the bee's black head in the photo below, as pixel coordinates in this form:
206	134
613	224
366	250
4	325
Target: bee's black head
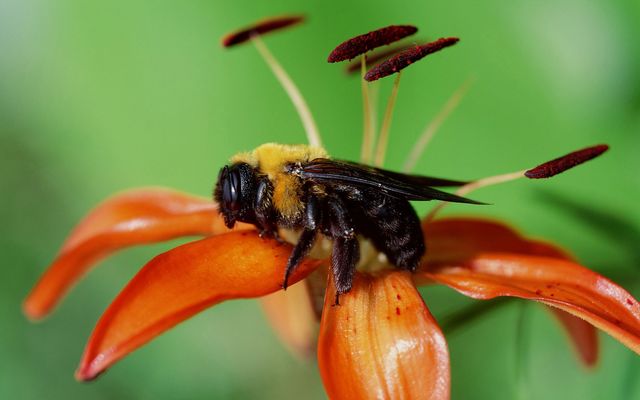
235	193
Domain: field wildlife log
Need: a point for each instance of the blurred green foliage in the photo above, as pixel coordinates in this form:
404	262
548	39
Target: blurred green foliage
96	97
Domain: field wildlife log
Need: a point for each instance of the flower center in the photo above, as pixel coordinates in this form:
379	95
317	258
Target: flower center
371	259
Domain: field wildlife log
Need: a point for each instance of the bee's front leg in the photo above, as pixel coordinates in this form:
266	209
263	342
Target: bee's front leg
263	208
307	237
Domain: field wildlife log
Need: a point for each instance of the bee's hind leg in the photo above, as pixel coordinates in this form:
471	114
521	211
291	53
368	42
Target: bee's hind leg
345	256
346	249
307	238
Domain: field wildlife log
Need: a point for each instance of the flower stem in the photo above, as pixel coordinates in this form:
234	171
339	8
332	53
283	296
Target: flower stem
383	139
292	90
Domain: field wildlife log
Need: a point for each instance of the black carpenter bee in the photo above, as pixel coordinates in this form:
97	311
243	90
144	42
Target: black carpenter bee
301	187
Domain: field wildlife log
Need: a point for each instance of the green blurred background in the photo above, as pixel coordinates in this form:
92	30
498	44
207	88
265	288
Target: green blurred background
96	97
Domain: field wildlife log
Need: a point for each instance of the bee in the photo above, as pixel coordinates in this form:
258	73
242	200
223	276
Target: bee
300	187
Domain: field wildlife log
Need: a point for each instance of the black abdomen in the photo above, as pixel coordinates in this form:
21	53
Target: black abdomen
391	224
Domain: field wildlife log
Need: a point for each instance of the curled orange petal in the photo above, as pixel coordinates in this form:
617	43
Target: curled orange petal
131	218
556	282
182	282
382	342
453	240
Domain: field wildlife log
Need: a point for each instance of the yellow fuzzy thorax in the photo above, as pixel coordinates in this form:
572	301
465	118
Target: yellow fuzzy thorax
271	159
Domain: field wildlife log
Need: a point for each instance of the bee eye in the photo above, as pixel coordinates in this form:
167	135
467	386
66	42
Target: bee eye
231	189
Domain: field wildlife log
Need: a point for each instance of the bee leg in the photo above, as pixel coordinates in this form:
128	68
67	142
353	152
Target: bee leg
393	227
302	248
346	249
307	238
265	218
271	233
345	256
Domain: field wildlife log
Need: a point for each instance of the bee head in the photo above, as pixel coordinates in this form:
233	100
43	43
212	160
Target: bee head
235	193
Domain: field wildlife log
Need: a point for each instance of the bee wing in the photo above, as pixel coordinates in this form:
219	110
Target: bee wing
411	179
410	187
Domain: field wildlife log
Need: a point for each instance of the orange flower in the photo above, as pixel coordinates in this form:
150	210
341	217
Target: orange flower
382	341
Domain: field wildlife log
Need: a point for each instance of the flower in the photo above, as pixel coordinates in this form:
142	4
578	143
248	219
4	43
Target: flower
382	341
382	337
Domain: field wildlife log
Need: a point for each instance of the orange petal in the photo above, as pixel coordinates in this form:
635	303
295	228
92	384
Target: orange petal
555	282
182	282
382	342
133	217
454	240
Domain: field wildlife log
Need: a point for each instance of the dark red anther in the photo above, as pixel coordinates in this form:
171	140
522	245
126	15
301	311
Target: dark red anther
260	28
561	164
376	57
353	47
407	57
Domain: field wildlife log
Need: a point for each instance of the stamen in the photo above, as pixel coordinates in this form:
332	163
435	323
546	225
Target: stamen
490	181
367	132
260	28
433	126
470	187
561	164
310	127
376	57
355	46
374	93
545	170
383	139
408	57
